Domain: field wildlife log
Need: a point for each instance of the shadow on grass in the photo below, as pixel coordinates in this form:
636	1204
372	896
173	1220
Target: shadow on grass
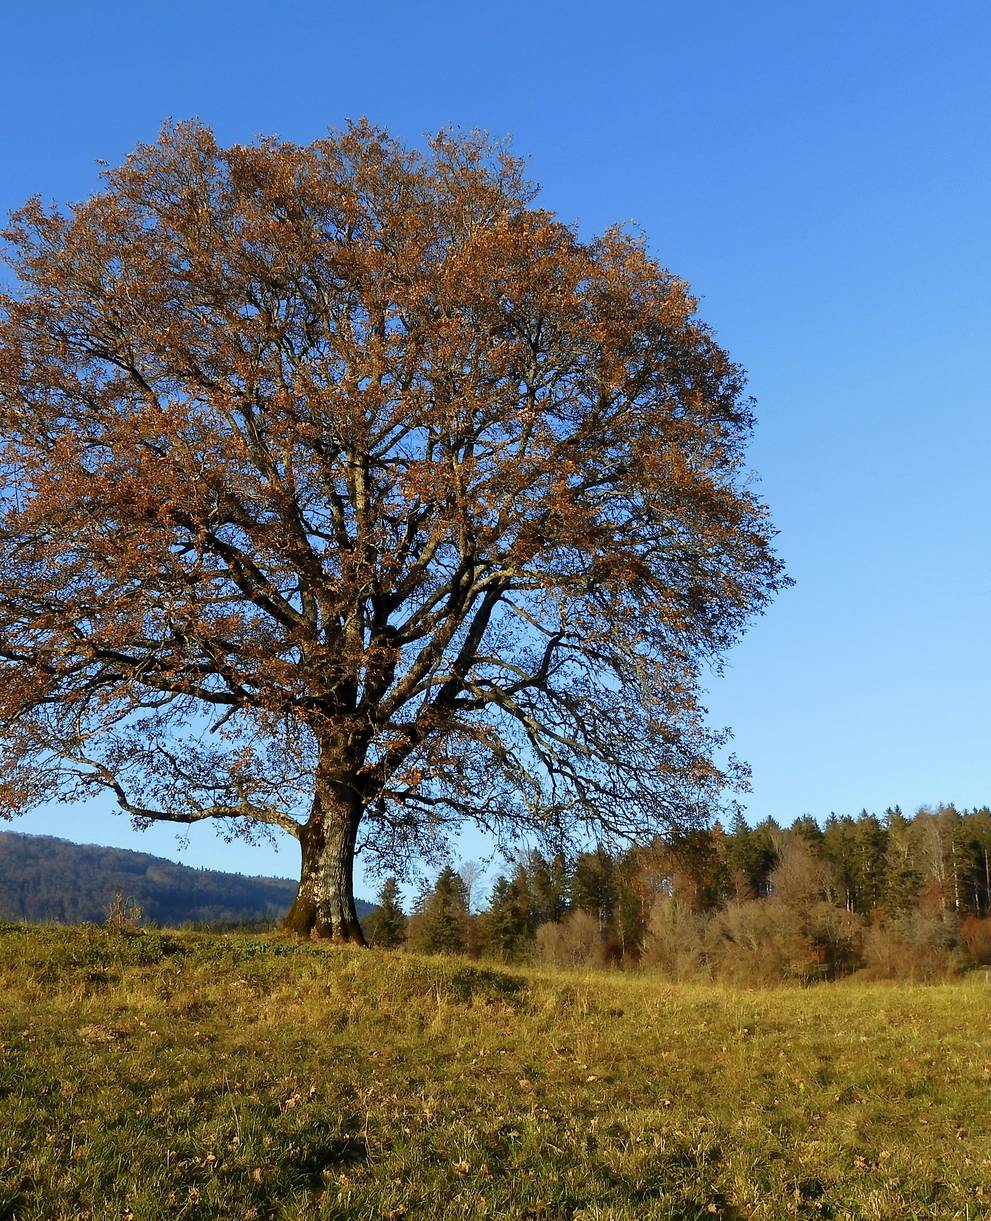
476	983
318	1155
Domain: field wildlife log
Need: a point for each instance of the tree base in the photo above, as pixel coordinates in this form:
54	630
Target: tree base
324	907
303	920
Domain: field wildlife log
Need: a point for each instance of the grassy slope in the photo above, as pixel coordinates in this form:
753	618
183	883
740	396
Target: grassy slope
170	1076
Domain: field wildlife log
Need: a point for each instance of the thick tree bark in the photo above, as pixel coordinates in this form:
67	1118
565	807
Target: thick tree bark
324	905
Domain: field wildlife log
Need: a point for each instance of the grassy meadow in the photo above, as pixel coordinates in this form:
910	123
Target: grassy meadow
192	1076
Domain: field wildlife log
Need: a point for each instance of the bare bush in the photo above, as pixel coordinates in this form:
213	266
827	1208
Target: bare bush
763	942
123	915
837	939
676	941
975	941
916	946
800	879
572	942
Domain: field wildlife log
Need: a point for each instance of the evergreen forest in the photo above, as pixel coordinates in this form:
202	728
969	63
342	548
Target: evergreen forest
884	897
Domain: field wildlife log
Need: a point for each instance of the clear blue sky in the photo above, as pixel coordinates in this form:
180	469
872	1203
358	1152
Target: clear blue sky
819	172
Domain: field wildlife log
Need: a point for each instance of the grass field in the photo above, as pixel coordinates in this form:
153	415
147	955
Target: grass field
189	1076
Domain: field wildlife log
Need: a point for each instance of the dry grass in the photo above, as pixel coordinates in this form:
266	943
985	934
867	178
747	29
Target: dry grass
187	1076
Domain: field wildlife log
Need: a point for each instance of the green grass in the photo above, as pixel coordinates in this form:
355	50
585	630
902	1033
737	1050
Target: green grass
193	1076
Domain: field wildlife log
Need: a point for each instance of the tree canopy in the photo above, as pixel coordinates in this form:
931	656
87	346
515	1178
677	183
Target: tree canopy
349	492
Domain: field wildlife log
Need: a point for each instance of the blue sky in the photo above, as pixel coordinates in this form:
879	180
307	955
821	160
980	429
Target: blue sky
819	173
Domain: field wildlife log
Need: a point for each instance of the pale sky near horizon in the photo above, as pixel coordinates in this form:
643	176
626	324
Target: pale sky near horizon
819	173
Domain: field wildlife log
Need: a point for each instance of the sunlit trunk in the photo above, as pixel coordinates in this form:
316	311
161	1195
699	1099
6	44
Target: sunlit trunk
324	905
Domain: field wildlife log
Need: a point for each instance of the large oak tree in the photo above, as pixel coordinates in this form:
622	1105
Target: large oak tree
348	492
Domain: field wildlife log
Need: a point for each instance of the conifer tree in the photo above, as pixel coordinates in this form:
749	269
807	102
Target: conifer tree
750	857
698	867
593	887
839	848
445	914
508	926
548	884
978	831
809	829
386	926
871	841
902	879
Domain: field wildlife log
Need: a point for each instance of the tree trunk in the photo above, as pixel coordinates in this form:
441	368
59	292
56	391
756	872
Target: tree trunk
324	904
987	881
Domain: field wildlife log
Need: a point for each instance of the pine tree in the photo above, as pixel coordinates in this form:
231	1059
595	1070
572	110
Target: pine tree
978	824
508	925
386	926
871	841
549	886
809	830
700	875
839	848
751	856
445	914
902	879
593	887
631	914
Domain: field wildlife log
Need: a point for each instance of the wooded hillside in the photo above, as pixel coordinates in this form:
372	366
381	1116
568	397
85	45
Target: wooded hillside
43	878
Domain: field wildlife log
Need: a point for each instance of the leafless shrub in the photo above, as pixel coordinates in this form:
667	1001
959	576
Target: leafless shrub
799	878
975	941
677	940
837	939
916	946
572	942
763	942
123	915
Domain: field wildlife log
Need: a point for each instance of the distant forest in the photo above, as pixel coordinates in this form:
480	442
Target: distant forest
885	897
889	897
48	879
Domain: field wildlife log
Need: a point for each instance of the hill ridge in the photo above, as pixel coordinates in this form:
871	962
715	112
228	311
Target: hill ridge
45	878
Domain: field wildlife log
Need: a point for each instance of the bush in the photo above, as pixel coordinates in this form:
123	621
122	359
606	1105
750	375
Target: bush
799	879
123	915
915	946
764	942
574	941
677	940
975	941
837	939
